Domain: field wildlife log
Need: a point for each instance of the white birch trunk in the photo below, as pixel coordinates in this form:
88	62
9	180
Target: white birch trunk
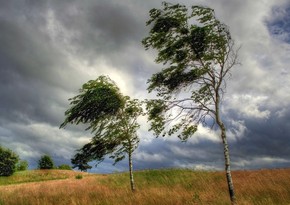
131	171
226	152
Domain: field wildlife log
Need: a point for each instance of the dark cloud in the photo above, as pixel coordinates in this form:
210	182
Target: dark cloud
164	153
116	23
267	137
50	48
265	141
100	27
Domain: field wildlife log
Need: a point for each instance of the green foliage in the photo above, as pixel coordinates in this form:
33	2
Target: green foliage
90	151
98	100
45	162
156	109
111	117
125	128
196	57
64	167
79	176
118	137
197	60
22	165
8	161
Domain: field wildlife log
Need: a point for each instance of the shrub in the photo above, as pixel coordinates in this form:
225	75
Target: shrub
8	161
64	167
22	165
79	176
45	162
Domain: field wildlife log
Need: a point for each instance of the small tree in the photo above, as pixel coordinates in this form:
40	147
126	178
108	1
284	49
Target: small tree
112	118
81	160
45	162
8	161
198	59
22	165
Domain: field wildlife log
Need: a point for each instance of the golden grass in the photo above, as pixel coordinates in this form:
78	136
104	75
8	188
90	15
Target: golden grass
154	187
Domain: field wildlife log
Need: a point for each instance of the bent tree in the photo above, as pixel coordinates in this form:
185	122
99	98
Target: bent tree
197	52
111	117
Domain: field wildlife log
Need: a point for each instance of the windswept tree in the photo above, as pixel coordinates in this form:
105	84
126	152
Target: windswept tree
197	52
111	117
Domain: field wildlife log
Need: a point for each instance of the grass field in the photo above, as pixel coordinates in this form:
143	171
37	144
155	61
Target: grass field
154	187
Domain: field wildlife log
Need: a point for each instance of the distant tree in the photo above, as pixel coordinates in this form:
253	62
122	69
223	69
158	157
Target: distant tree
111	117
81	160
64	167
22	165
45	162
8	161
198	53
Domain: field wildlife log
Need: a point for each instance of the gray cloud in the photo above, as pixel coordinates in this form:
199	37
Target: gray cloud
50	48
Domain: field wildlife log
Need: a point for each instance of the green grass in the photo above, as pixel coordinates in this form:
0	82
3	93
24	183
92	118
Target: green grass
34	176
164	177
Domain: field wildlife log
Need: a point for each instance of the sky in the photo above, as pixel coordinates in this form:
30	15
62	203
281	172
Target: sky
49	49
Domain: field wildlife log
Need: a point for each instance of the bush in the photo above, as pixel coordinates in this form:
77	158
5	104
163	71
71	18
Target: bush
45	162
22	165
8	161
79	176
64	167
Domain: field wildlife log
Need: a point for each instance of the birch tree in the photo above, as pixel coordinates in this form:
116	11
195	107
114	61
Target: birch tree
111	117
197	53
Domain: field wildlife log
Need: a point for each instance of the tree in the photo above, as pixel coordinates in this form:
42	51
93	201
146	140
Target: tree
111	117
22	165
8	161
197	59
45	162
80	161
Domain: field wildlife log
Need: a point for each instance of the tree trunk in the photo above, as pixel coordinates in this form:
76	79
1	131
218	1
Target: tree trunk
131	171
227	165
226	151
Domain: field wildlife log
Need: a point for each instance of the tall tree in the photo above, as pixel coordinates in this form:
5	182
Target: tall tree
111	117
197	52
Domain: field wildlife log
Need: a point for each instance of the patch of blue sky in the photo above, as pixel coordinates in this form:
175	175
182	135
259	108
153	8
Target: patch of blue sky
279	24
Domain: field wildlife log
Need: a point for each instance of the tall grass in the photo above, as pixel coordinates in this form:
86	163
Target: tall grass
155	187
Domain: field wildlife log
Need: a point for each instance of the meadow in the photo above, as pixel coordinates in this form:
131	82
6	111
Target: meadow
154	187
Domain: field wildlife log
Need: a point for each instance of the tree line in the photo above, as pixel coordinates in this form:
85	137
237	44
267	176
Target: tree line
10	163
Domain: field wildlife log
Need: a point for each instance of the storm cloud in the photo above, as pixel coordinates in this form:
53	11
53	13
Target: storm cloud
50	48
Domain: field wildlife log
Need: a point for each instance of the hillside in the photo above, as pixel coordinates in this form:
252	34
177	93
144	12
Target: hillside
156	187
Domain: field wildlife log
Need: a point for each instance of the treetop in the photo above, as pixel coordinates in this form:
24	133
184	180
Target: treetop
98	99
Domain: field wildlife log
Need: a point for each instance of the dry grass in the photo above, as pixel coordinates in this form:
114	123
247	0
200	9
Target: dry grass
176	187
